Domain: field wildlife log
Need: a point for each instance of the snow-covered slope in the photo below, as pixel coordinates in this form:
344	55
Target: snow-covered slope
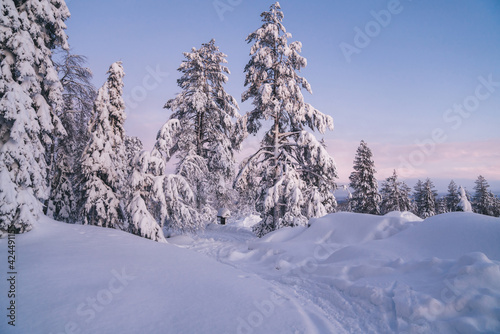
346	273
85	279
381	274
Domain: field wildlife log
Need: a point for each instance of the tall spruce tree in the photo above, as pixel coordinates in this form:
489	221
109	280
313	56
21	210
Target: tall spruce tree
496	211
30	100
417	197
173	202
425	199
104	165
483	201
365	197
452	197
205	145
395	195
295	173
147	166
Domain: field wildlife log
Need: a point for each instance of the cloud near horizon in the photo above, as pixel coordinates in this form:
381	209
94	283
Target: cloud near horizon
454	160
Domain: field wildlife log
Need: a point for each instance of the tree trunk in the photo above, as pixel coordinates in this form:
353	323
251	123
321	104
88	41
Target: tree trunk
277	169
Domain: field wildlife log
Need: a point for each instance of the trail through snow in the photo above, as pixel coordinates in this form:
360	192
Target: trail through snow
346	273
373	274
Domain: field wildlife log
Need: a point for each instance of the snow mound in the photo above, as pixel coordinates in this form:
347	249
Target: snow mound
247	222
392	273
345	273
87	279
336	231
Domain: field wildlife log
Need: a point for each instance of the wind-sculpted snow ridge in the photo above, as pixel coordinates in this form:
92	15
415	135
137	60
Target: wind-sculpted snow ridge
380	274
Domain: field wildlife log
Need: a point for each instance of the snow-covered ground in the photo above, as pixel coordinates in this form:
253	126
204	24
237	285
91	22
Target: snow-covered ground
346	273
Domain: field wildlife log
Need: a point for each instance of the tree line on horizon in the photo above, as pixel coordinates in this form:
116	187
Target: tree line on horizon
64	151
395	195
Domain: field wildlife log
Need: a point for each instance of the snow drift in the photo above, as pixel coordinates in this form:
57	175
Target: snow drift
346	273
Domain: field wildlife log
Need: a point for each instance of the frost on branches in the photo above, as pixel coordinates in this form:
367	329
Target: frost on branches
395	195
206	137
146	168
292	175
173	200
365	197
103	161
78	95
30	98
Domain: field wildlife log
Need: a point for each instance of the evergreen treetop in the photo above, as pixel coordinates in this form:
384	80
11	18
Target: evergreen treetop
365	197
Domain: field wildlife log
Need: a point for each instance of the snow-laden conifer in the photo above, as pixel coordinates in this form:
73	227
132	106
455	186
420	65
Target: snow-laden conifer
452	197
395	195
463	202
425	199
173	201
496	211
133	146
205	144
365	196
30	100
103	163
483	201
441	205
141	221
294	174
62	204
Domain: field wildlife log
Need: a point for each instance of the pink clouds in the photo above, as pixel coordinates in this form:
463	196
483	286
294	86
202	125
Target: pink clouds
452	160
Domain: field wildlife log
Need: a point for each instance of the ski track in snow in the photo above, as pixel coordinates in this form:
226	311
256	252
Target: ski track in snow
322	301
346	273
365	278
224	243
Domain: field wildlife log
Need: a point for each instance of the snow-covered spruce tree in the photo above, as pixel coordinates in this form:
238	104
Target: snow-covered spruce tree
417	194
142	180
483	201
103	163
173	202
62	204
441	205
452	197
204	146
497	207
425	199
395	195
463	202
295	172
78	95
30	99
365	195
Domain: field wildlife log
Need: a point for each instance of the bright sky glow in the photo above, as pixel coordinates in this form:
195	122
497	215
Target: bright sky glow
418	80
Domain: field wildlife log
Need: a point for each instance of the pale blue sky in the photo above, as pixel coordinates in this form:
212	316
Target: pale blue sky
396	90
